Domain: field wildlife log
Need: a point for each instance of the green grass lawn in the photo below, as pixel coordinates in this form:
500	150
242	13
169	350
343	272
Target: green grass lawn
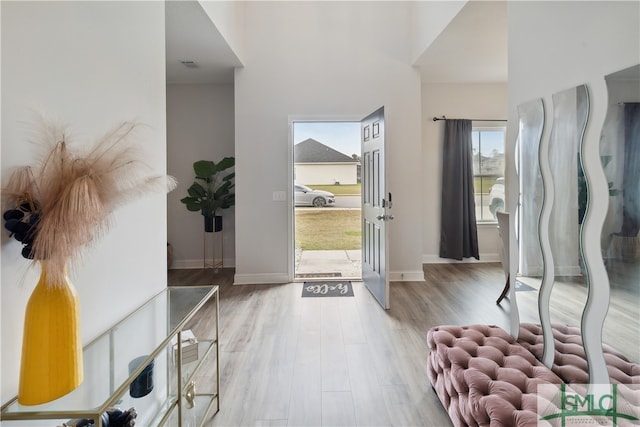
484	184
326	229
340	190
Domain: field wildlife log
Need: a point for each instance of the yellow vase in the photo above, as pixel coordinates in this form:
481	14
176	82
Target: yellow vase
51	345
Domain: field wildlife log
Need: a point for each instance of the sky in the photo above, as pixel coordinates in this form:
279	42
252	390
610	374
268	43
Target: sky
345	136
341	136
491	140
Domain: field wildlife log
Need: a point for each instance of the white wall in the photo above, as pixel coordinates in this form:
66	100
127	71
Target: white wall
429	19
469	100
325	174
228	17
92	65
200	126
339	59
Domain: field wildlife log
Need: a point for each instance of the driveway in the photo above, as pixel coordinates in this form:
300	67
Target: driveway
348	202
339	264
342	202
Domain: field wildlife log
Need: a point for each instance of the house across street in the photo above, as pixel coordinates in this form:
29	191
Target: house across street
316	163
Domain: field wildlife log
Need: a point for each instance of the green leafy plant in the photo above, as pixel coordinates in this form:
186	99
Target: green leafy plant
212	189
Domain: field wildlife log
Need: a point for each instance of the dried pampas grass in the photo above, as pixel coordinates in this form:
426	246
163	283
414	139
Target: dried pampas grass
71	195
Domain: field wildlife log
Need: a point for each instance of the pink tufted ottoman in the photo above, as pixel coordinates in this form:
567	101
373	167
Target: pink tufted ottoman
484	377
570	363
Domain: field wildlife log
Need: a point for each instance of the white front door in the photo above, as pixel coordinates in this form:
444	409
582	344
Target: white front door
376	204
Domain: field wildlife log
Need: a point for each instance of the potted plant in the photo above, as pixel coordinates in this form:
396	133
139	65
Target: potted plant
211	191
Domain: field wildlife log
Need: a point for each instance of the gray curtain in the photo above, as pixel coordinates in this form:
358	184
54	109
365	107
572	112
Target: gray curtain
458	230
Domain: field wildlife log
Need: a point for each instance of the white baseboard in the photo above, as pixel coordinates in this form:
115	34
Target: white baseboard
568	270
406	276
533	271
275	278
261	279
435	259
197	263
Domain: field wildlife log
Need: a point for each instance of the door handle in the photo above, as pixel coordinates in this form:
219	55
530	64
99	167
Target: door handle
387	217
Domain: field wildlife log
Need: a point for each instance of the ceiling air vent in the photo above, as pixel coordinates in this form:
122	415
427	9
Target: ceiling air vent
189	64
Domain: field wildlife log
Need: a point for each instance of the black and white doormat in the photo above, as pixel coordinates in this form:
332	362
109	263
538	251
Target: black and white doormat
327	289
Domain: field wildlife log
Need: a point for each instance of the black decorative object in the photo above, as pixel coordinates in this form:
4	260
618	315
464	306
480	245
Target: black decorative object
113	417
208	224
119	418
212	224
22	224
143	384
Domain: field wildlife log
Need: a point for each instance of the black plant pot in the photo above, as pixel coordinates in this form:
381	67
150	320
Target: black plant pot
212	224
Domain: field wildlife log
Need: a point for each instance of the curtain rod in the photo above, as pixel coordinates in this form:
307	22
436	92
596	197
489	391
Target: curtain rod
435	119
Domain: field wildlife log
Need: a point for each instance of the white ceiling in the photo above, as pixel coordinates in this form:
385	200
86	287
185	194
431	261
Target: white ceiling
631	73
191	36
472	48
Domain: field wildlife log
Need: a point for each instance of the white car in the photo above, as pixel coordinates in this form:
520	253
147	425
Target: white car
305	196
496	197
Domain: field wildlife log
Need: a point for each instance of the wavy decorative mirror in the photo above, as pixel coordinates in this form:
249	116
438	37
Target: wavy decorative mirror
529	146
554	203
620	242
560	214
530	126
570	112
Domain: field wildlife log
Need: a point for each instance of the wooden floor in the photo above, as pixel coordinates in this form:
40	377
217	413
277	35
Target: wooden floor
292	361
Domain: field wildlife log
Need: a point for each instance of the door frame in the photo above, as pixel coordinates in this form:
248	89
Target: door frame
291	246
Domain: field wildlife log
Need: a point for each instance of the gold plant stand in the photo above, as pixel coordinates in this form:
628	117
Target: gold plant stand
213	244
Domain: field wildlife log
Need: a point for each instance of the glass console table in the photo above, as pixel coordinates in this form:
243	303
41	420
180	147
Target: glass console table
138	364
